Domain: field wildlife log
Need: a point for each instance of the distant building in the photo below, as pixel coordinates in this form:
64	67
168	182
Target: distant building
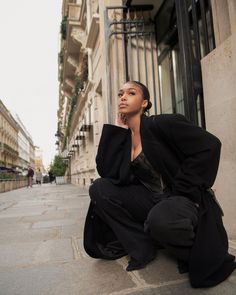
39	160
16	145
8	138
32	153
25	147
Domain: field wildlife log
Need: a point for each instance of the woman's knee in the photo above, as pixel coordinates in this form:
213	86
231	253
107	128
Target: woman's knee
165	227
160	221
155	225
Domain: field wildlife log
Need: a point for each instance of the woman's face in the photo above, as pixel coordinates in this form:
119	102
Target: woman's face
130	99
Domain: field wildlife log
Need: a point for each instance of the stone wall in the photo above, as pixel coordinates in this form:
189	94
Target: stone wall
219	83
9	185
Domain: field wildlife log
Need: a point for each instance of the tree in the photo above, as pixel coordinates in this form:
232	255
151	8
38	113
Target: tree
58	167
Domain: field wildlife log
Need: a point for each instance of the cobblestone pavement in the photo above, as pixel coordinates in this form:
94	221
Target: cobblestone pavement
41	252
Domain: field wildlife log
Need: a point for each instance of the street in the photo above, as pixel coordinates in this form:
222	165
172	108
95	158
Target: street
41	251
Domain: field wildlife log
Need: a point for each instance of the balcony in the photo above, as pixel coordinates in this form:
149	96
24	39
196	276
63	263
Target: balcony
58	133
71	47
8	150
69	71
80	137
69	83
85	127
74	11
93	31
75	30
72	61
75	145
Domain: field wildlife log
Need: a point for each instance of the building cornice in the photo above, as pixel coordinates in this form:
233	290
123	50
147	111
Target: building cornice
8	116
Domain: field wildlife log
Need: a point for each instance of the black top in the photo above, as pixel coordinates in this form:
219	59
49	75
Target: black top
147	175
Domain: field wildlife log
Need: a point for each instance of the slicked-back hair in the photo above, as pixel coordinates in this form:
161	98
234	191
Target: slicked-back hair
146	94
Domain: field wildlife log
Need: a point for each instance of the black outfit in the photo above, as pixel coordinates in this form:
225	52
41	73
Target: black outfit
30	172
127	215
51	176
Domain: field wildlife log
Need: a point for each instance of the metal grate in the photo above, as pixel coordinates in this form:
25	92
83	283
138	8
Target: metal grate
131	46
183	40
195	29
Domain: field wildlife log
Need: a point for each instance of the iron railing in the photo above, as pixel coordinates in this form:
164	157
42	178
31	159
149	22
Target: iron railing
130	46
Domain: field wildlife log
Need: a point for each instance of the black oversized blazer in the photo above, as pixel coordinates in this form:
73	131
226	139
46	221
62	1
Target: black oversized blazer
187	157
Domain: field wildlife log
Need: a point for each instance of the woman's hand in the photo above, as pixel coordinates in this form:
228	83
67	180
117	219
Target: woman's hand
121	121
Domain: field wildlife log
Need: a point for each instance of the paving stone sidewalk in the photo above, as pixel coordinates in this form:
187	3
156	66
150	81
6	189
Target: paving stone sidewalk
41	252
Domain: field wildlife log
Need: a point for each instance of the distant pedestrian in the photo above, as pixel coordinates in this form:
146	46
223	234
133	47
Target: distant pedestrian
39	177
30	175
51	176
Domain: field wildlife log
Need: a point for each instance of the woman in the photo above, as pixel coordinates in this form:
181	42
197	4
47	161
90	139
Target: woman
30	175
155	191
39	177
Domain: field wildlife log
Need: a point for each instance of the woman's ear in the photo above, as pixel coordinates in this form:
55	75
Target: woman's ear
145	103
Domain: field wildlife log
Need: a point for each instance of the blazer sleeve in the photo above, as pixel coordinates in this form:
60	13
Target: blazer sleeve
112	157
201	153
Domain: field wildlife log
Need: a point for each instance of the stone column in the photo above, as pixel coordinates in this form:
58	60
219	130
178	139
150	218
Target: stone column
219	86
221	20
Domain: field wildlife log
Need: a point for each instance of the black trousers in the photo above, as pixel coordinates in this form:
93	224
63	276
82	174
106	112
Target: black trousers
139	217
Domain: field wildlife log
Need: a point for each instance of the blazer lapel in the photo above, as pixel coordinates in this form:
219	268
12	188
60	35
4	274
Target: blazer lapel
152	148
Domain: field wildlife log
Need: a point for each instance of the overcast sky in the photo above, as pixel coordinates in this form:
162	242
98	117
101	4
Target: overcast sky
29	36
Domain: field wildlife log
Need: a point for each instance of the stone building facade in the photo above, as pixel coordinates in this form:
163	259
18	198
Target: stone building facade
39	160
8	138
26	147
184	51
17	149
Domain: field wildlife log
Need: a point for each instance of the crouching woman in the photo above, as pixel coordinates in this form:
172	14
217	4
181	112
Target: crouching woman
155	191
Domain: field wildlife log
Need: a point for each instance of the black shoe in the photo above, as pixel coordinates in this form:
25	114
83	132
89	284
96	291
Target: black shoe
134	264
182	266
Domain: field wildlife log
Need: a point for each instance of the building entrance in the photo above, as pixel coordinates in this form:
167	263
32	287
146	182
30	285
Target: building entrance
184	35
161	42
